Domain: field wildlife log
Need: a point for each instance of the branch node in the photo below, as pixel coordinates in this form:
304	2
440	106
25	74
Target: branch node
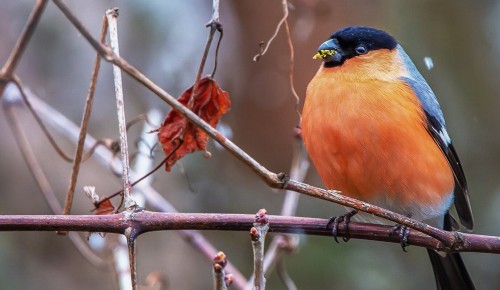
214	25
283	179
458	242
114	12
261	217
129	215
132	231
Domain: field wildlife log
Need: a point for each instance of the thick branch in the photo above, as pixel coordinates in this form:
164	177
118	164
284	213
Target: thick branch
151	221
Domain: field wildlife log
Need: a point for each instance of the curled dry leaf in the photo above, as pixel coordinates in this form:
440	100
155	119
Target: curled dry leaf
105	207
179	135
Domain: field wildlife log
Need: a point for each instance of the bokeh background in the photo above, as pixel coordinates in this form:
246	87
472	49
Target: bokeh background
165	39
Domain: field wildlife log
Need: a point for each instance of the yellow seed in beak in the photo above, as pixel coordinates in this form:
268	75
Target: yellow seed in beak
323	53
317	56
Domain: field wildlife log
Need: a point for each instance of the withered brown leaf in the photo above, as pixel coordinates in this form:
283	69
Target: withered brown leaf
210	103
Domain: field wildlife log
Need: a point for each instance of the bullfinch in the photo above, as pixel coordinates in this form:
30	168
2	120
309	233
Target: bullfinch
375	131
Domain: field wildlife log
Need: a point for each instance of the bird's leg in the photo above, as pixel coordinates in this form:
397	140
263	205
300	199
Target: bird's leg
335	220
404	232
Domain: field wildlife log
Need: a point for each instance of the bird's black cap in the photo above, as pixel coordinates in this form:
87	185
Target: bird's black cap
350	42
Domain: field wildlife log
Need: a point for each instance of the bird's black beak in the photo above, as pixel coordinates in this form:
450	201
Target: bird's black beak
329	51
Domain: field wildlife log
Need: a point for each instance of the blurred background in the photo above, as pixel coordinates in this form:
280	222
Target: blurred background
165	39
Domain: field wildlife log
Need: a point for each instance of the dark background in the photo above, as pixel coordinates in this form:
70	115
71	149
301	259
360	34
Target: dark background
165	39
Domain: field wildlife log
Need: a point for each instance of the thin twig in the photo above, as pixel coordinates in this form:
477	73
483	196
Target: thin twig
183	172
84	125
216	21
141	117
216	57
24	95
265	46
22	42
130	205
284	20
194	92
46	132
52	141
214	26
29	156
292	61
284	277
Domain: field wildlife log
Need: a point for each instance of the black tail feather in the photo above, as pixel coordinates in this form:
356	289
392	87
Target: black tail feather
450	272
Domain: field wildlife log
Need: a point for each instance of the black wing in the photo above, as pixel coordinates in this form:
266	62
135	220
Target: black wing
437	129
462	202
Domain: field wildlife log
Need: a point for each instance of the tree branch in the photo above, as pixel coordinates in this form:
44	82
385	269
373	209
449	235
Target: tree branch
146	221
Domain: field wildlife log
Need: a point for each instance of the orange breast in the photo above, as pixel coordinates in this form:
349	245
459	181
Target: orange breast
369	140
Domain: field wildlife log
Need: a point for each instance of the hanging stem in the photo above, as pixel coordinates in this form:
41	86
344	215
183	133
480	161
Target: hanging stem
214	25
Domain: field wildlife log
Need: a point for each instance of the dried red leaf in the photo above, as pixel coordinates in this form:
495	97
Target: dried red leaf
210	103
105	207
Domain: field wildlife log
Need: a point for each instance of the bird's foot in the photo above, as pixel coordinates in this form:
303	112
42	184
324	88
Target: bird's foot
404	232
336	220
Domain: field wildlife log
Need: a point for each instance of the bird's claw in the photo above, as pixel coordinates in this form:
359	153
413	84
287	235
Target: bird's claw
404	232
336	220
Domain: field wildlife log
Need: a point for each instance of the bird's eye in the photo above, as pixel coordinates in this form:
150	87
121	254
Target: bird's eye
361	49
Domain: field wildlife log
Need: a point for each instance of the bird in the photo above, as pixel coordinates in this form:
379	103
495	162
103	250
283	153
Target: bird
374	130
